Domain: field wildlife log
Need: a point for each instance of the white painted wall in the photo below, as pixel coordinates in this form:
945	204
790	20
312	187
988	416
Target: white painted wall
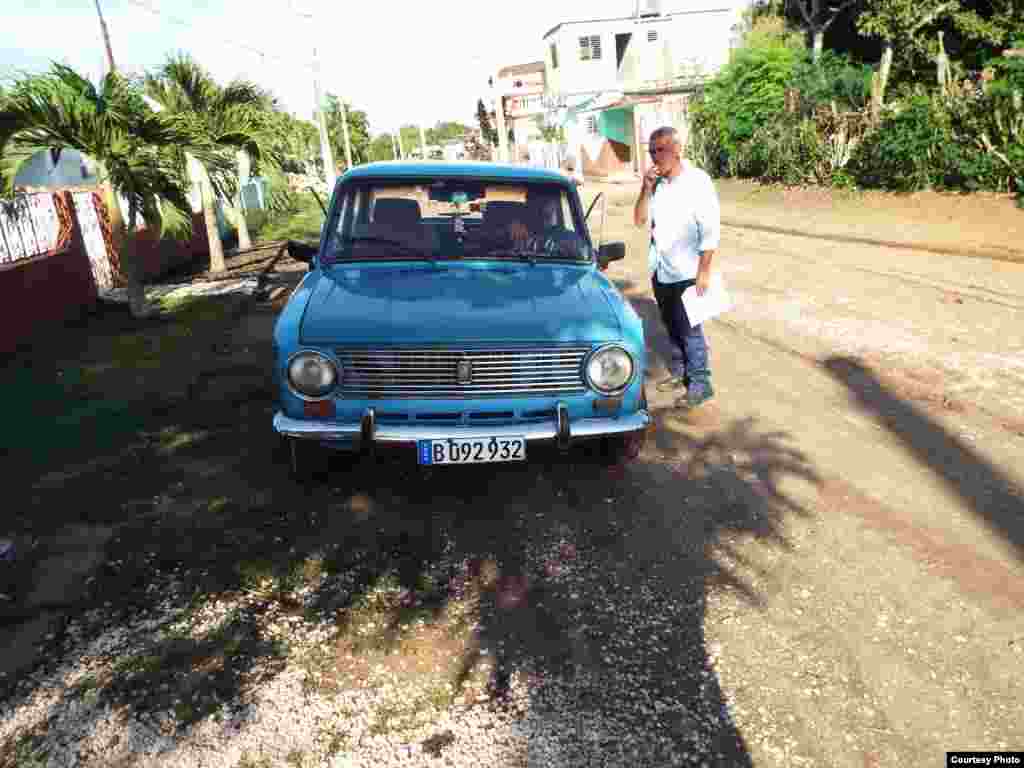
685	42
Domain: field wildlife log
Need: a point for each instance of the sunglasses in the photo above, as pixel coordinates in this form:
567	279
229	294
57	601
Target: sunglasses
655	151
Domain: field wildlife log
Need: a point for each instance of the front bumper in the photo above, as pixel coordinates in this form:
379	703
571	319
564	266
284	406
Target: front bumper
368	432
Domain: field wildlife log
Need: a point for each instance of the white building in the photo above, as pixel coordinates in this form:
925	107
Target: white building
610	82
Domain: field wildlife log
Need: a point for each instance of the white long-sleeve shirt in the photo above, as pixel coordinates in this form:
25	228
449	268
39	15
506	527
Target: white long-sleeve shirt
686	219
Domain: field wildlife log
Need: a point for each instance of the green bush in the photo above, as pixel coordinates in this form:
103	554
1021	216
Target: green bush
990	136
749	92
833	78
704	145
786	151
909	151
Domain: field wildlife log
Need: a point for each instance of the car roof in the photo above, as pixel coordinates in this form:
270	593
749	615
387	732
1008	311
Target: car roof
453	170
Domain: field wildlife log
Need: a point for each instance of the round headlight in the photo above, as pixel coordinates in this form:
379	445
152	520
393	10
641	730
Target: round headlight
311	374
610	369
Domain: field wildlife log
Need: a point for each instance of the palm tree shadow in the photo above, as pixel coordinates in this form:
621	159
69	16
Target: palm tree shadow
987	491
601	591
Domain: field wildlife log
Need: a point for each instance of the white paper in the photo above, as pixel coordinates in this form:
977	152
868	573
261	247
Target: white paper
715	301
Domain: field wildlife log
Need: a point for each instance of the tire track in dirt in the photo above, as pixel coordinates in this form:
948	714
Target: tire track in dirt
908	278
993	254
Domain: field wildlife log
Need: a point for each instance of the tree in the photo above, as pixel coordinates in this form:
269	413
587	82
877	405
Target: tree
382	148
358	131
296	142
233	119
135	150
489	134
446	131
910	24
817	17
410	138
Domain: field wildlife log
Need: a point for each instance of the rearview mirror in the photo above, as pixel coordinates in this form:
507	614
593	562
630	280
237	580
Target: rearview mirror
610	252
303	252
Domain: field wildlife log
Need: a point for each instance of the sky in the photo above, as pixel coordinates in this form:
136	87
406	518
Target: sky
402	62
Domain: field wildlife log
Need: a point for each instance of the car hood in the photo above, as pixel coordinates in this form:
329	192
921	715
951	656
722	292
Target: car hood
449	303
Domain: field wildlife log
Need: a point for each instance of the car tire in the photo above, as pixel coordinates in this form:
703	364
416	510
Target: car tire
307	460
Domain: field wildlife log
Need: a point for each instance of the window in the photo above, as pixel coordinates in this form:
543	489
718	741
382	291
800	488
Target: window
554	56
590	48
652	35
590	123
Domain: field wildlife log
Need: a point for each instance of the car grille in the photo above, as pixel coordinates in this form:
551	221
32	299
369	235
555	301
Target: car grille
427	373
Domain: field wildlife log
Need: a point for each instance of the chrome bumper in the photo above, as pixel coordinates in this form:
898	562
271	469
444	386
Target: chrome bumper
368	432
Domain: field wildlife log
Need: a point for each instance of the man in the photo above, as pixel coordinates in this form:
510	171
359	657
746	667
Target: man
685	231
544	229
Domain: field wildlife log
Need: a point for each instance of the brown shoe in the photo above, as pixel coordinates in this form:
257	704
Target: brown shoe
671	384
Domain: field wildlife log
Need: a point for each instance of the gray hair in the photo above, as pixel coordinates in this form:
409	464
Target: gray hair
678	136
660	133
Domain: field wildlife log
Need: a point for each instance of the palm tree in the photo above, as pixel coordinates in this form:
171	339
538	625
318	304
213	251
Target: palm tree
134	148
233	117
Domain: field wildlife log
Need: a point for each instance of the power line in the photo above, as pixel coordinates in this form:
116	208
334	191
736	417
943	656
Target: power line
252	49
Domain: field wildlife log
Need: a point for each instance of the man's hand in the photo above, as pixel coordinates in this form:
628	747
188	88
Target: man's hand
650	178
703	279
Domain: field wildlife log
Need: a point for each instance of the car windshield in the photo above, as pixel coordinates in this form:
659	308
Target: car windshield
455	219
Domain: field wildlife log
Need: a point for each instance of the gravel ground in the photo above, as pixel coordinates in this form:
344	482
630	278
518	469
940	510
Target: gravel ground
587	665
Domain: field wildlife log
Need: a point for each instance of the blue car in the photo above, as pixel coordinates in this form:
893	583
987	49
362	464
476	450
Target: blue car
460	310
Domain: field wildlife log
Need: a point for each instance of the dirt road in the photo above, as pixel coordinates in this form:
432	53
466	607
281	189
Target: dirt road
889	626
824	566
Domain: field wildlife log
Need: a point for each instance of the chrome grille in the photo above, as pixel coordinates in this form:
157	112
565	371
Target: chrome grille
415	373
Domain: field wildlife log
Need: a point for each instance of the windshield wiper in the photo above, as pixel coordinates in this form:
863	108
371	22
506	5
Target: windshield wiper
516	253
404	245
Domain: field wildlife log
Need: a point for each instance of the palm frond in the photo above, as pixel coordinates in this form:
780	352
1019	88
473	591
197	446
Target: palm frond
243	93
140	150
195	88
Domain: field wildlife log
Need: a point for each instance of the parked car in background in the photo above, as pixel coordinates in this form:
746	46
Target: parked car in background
460	310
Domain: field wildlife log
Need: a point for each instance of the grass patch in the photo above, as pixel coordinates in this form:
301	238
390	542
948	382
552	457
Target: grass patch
301	224
107	385
27	751
170	440
249	761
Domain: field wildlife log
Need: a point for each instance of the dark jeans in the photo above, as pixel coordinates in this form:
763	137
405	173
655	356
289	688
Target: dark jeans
689	348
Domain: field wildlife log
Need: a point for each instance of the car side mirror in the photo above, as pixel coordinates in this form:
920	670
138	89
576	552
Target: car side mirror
303	252
609	252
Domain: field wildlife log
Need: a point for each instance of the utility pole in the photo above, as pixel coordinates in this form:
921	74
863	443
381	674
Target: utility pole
423	142
401	149
325	141
106	37
394	146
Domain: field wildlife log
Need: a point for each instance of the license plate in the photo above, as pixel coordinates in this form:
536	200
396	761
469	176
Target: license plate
475	450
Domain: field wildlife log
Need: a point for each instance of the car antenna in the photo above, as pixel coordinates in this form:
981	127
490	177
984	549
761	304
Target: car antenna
318	200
